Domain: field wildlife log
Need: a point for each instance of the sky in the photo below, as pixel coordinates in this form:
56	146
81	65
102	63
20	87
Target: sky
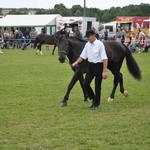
46	4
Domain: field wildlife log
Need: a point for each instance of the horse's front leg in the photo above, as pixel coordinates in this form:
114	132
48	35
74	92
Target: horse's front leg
53	49
73	81
81	79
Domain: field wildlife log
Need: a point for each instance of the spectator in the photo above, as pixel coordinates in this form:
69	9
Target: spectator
147	44
134	43
27	41
142	42
11	39
26	33
127	39
18	38
1	40
78	33
106	34
33	35
43	31
6	39
118	34
123	34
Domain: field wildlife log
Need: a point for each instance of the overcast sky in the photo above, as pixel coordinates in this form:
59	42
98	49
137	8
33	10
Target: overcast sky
101	4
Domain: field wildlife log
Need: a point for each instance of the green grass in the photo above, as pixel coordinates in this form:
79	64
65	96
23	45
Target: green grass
31	89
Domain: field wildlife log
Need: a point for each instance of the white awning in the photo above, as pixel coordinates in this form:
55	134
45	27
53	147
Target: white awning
70	21
147	20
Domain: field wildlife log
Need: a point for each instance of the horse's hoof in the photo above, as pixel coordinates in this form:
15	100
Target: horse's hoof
41	53
125	93
37	51
110	99
85	100
63	104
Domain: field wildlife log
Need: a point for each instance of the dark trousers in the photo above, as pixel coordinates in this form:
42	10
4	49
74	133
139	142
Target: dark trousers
146	48
94	71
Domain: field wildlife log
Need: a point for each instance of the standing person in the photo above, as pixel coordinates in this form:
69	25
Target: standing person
94	52
33	35
118	34
147	44
1	40
106	35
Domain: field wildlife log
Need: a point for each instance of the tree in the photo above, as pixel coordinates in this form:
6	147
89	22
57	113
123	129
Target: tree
77	10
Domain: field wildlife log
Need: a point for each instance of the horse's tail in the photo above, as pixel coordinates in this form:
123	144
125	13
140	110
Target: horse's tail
35	43
132	65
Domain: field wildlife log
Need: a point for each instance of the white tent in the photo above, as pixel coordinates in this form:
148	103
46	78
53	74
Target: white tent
47	21
147	20
28	20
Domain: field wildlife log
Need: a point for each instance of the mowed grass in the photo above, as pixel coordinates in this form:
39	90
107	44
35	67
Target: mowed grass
31	118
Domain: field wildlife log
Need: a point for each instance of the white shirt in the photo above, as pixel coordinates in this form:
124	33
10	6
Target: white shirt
94	52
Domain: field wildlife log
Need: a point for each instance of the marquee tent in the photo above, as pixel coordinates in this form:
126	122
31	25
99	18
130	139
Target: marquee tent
48	21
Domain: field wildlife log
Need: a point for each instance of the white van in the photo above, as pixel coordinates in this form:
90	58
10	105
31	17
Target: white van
111	27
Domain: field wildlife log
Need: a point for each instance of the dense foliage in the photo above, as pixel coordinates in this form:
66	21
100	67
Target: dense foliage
101	15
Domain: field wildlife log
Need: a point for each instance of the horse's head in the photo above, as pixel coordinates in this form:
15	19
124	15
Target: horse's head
63	32
63	48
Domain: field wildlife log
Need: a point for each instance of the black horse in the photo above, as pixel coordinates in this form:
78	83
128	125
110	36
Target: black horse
48	39
116	52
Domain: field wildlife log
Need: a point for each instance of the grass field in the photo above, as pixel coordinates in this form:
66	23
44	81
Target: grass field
31	89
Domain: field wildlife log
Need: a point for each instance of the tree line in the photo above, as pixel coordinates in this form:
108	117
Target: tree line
106	15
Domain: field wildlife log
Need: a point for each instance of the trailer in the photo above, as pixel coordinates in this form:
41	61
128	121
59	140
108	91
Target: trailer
77	23
111	28
129	23
133	23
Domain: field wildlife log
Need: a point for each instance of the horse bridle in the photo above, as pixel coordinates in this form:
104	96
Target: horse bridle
66	58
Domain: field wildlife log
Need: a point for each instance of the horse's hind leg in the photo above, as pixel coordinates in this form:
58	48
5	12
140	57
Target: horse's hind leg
112	95
117	79
37	49
73	81
122	90
40	46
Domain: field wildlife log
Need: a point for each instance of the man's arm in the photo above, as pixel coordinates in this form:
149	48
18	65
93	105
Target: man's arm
78	61
104	74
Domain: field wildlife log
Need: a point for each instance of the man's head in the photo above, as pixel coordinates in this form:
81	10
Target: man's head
90	34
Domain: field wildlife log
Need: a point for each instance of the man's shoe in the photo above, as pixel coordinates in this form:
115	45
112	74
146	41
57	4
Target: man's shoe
92	104
94	107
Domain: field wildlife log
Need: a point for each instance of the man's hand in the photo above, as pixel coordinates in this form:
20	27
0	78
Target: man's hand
74	64
104	75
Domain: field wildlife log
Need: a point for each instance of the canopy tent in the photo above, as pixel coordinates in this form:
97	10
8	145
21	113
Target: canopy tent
147	20
28	20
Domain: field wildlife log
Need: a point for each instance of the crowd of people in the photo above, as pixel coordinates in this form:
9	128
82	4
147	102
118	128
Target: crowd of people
140	41
19	38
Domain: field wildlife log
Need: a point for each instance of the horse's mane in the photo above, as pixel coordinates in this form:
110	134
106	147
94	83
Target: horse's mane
76	39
